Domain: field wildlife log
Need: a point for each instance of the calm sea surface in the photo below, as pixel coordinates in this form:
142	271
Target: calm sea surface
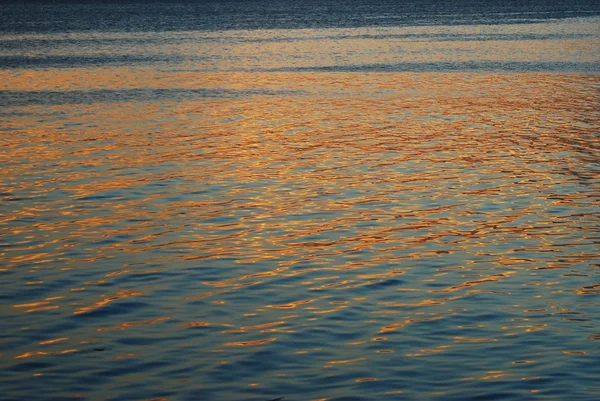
316	200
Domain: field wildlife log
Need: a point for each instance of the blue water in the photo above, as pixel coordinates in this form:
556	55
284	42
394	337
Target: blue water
342	200
217	15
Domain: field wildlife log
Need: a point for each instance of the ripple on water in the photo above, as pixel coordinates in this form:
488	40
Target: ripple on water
317	236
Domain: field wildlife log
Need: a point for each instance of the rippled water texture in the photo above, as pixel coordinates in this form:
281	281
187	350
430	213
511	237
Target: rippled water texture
237	228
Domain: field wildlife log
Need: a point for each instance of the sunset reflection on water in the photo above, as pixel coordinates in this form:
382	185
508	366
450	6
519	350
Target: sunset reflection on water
269	233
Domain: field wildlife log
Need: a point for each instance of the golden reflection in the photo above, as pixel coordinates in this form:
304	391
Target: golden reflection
38	353
594	337
291	304
32	304
331	364
126	325
496	374
461	339
56	340
471	283
425	302
129	271
330	285
125	356
233	331
401	198
262	326
196	324
589	290
123	294
38	306
399	325
249	343
523	362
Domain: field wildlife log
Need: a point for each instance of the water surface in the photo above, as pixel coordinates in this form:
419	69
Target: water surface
403	210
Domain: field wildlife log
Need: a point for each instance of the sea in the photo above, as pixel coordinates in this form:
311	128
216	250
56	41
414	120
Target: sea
300	200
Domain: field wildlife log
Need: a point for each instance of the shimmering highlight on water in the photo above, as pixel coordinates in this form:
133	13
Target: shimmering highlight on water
361	230
360	213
